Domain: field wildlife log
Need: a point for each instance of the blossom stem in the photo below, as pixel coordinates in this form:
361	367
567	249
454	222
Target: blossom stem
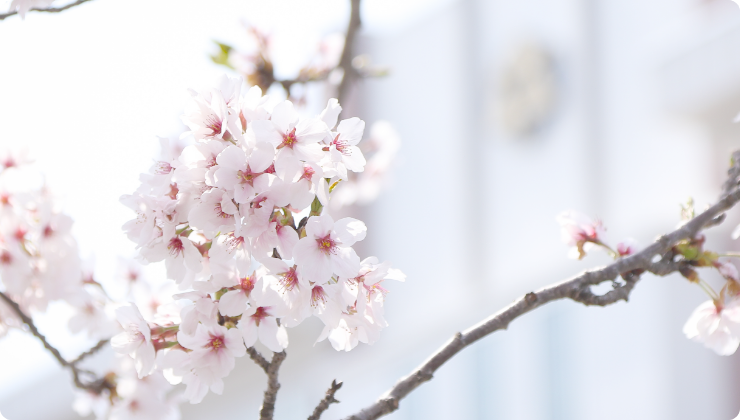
708	290
612	253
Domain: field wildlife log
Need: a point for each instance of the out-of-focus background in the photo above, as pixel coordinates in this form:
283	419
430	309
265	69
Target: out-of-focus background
510	111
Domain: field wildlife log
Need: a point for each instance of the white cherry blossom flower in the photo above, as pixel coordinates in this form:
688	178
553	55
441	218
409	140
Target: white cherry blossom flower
287	132
728	270
135	340
179	254
260	322
717	327
580	232
343	151
326	249
247	291
214	348
244	175
215	212
627	247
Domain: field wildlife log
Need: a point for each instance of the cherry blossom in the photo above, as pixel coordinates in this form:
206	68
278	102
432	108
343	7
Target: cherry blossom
580	232
261	322
289	134
326	249
135	339
716	326
244	175
627	247
343	151
246	291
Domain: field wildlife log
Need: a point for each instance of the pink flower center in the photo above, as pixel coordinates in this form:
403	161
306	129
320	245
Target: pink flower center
219	212
342	146
211	162
214	124
318	295
288	140
234	242
289	279
371	290
162	168
246	177
327	245
247	284
48	231
260	314
6	258
308	172
173	192
175	246
216	342
19	234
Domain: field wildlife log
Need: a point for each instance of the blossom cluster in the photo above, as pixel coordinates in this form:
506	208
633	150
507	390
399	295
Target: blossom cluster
222	214
39	260
40	264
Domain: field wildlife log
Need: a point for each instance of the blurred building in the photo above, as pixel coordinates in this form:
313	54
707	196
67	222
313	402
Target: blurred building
511	112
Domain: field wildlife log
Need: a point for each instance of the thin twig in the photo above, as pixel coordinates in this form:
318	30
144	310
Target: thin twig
577	289
327	401
258	358
268	404
96	385
94	349
49	10
345	60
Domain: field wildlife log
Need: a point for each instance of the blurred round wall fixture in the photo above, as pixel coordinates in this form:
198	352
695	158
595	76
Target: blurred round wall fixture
526	91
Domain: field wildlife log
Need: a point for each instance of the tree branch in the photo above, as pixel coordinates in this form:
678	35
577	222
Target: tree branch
258	358
577	289
327	401
268	404
345	60
90	352
49	10
96	385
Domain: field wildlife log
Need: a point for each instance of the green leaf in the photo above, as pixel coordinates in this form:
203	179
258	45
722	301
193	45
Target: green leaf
222	57
316	207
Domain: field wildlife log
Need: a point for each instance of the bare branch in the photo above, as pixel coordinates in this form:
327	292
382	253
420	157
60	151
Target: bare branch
90	352
96	385
577	289
258	358
327	401
345	60
49	10
268	404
